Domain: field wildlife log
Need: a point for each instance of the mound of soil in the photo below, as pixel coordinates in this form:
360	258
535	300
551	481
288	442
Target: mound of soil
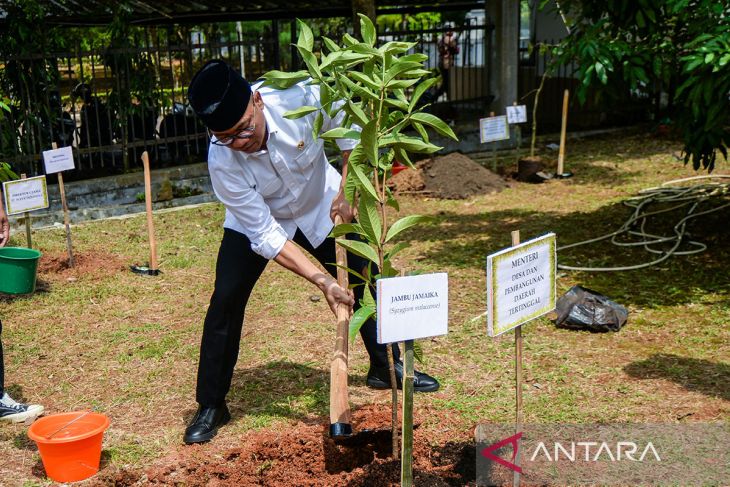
54	266
453	176
303	455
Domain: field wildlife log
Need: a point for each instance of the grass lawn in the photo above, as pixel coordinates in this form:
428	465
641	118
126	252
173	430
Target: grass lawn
128	345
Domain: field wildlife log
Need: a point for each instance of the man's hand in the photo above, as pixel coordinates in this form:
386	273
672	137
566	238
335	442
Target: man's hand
335	295
4	227
341	207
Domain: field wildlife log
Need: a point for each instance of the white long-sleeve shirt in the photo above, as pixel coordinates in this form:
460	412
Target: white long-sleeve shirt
270	193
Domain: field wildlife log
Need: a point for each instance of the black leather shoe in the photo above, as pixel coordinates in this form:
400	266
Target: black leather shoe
379	378
205	424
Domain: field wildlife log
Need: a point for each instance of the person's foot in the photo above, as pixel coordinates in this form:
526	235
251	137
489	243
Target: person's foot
205	424
379	378
15	412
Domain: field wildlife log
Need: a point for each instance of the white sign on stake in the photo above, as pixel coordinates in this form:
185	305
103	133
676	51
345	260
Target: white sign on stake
492	129
412	307
517	114
520	284
24	195
57	160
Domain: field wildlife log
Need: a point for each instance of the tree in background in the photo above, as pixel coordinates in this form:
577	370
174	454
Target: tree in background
680	48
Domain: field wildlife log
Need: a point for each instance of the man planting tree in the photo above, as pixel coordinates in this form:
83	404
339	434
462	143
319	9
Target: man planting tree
281	196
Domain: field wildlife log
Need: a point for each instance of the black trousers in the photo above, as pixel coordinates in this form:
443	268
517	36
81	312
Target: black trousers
237	270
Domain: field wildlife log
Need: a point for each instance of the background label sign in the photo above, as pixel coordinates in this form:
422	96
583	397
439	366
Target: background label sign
520	284
57	160
517	114
492	129
412	307
24	195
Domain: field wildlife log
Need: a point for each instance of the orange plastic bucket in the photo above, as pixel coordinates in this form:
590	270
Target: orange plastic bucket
73	453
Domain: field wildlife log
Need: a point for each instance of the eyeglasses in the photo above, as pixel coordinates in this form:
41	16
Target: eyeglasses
242	134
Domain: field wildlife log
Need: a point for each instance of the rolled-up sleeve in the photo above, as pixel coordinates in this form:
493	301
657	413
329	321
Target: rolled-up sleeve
267	236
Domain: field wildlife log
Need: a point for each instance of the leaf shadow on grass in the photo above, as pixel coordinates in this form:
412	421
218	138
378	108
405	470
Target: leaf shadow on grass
464	241
709	378
280	388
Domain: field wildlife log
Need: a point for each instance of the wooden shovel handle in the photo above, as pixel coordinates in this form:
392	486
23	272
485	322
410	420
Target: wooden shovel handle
339	397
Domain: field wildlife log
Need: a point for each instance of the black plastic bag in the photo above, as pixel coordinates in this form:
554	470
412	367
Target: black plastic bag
583	309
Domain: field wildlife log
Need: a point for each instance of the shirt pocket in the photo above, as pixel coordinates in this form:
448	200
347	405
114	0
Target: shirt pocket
267	183
309	153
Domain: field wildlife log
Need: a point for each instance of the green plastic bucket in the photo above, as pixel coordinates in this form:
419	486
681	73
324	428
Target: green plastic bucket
18	267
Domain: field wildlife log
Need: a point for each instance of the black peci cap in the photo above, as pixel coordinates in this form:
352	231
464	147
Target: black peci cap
219	95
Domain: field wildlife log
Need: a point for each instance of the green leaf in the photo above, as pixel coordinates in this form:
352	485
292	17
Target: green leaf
433	121
397	47
398	68
354	273
341	133
420	90
418	57
283	80
402	83
331	45
318	121
358	90
354	110
411	144
366	80
369	141
345	228
400	105
360	248
421	131
417	351
709	57
311	61
358	319
403	224
369	218
367	298
306	39
367	29
300	112
395	249
362	180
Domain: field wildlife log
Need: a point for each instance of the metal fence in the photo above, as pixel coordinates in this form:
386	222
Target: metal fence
111	104
463	83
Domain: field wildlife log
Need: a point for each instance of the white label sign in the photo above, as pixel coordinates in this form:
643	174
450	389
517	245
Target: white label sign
520	284
412	307
492	129
517	114
24	195
57	160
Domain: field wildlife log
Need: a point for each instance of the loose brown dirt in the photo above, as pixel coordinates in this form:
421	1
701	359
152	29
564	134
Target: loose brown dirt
453	176
54	266
303	455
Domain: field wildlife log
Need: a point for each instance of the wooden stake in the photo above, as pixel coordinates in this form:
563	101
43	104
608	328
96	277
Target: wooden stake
66	219
406	463
27	223
518	134
340	419
494	151
563	129
518	379
148	202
